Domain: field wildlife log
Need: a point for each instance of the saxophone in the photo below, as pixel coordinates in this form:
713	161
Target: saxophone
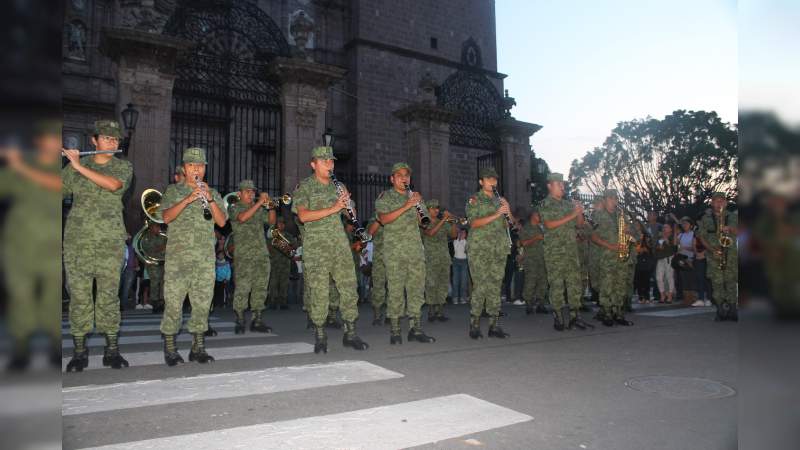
725	241
623	239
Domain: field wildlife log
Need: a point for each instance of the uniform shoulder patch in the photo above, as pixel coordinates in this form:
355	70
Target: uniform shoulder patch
472	200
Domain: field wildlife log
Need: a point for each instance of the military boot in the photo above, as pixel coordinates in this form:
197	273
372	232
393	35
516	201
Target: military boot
198	352
495	330
475	327
441	317
351	339
415	332
395	337
332	321
377	317
111	356
210	332
541	309
577	322
608	316
734	313
558	322
80	355
256	325
171	355
321	340
619	317
433	313
529	308
239	328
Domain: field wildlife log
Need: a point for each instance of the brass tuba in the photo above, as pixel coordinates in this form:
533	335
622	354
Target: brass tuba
151	201
229	199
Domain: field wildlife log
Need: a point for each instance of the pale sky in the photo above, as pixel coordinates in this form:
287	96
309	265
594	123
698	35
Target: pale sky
579	67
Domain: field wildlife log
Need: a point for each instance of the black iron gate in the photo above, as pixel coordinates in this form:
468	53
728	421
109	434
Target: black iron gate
223	100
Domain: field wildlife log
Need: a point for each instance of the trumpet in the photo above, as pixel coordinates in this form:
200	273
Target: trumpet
360	233
424	219
203	199
463	221
285	199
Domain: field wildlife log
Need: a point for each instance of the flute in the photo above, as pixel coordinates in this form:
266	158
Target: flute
96	152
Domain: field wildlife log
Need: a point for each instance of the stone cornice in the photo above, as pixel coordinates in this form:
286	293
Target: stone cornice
426	112
298	70
160	49
514	127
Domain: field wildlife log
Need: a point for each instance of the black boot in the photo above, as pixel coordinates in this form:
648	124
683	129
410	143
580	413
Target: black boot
529	309
620	319
395	337
321	340
210	332
377	317
332	321
198	352
495	330
257	326
111	356
415	332
541	309
351	339
608	317
579	323
171	355
558	323
80	356
158	308
734	314
433	313
239	328
440	314
475	328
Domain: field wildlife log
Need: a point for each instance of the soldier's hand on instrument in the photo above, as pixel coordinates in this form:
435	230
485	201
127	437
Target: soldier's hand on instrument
446	215
73	155
415	198
343	201
263	198
578	208
504	208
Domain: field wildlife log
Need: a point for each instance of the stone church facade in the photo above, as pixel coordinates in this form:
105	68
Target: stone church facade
257	83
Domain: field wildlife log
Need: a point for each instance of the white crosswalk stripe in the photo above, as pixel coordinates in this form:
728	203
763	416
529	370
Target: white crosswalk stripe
99	341
219	354
386	427
136	328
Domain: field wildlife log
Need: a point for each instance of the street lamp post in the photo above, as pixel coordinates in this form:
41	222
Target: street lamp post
130	116
327	137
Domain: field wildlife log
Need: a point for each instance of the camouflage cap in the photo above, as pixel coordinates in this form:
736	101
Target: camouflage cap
246	184
719	195
107	128
432	203
194	155
399	166
488	172
555	176
610	193
322	153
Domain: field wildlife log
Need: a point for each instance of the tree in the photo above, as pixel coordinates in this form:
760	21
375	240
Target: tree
674	164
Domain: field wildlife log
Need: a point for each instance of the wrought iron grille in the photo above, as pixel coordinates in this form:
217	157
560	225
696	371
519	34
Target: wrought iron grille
223	100
364	189
494	159
479	106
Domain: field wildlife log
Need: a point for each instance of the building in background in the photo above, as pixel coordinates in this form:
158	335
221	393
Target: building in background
257	83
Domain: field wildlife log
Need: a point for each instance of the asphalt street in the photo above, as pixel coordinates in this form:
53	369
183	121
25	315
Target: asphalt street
668	382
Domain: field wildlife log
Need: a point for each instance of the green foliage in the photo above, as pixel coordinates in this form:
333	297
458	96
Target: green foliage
663	164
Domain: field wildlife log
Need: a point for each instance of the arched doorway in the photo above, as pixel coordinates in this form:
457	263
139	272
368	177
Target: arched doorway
222	99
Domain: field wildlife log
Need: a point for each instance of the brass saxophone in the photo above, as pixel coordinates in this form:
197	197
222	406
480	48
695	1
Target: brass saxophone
623	239
725	241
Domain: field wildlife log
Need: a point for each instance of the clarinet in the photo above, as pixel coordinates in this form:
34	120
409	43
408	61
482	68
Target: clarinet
203	199
509	222
360	233
424	219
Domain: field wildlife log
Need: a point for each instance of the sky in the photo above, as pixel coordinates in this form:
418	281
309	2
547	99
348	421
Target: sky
579	67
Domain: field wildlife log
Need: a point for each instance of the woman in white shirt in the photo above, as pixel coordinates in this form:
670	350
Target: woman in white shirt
460	293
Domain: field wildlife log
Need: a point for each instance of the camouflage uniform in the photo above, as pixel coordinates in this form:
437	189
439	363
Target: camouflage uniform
614	273
535	285
94	246
251	266
561	256
326	253
723	282
280	266
155	244
378	292
437	259
489	247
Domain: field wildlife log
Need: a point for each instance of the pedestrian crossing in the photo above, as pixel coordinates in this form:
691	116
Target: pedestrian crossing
381	425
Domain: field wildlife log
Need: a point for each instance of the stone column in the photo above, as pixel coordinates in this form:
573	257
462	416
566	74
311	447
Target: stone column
427	140
145	65
516	152
304	100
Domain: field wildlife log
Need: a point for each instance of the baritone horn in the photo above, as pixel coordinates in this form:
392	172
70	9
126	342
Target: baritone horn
151	202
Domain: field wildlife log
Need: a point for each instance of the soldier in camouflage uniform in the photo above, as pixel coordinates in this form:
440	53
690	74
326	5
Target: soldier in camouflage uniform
94	243
489	247
190	257
326	253
595	256
615	273
723	280
155	244
437	259
378	291
32	185
403	254
251	266
560	218
531	238
280	266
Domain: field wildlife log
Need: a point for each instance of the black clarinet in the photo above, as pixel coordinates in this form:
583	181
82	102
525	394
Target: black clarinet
360	233
509	222
424	219
203	200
